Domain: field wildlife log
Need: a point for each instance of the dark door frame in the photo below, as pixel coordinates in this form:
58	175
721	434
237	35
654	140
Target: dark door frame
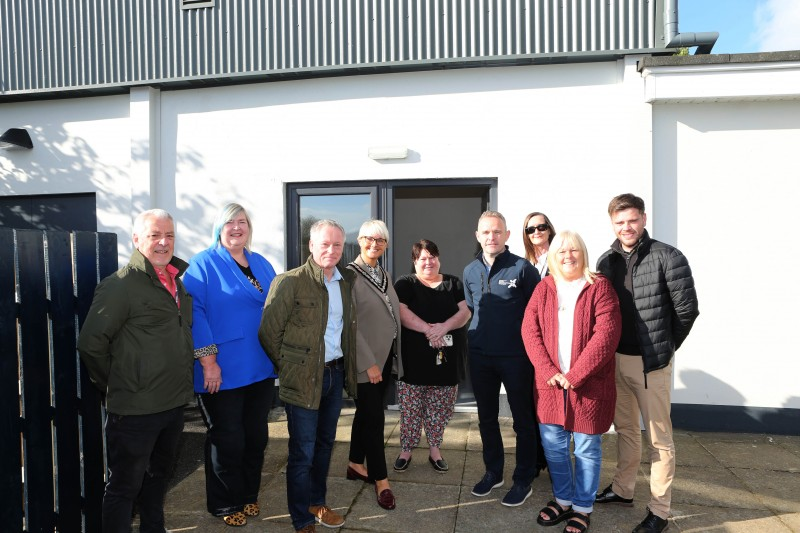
381	193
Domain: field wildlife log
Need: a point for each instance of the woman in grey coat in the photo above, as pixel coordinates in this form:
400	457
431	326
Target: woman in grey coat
377	356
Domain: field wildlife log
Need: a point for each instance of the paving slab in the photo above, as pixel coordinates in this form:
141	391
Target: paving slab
691	452
421	471
757	453
790	520
420	507
789	443
723	483
696	519
711	487
779	491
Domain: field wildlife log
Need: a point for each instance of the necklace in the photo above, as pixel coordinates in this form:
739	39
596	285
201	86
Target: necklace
375	273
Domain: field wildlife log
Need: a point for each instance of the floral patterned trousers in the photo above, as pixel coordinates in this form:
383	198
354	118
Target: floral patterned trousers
428	405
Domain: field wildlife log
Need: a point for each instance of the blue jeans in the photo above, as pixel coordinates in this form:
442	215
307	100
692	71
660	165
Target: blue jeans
311	436
141	452
576	487
516	374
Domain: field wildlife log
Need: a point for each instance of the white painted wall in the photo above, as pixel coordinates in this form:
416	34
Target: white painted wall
562	139
733	171
727	183
79	145
719	179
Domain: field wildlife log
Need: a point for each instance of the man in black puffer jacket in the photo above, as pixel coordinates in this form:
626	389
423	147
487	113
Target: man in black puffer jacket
659	305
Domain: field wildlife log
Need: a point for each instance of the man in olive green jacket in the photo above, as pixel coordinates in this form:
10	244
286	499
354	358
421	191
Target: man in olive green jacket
308	329
136	344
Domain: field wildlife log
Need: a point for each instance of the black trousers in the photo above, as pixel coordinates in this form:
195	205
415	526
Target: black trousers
516	375
141	452
237	421
366	435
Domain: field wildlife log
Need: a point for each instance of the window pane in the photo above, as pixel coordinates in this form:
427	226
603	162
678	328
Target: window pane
349	210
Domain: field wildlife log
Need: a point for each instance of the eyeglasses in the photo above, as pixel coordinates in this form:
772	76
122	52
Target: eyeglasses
374	240
541	227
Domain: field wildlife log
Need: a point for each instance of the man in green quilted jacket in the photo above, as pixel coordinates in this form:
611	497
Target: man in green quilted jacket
136	344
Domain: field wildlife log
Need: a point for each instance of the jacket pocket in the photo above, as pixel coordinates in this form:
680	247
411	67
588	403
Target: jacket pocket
304	311
295	374
593	397
297	355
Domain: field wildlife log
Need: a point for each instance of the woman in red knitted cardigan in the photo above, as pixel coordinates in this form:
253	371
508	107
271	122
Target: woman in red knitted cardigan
571	330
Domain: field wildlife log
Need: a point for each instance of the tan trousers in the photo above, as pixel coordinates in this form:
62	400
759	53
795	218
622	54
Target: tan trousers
654	404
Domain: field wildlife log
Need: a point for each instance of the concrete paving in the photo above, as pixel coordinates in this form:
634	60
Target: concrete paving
723	483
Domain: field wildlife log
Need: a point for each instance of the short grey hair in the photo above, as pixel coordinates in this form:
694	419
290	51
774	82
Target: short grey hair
372	227
158	214
493	214
316	228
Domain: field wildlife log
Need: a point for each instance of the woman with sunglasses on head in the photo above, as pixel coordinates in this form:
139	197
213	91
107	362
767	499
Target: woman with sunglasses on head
537	234
377	358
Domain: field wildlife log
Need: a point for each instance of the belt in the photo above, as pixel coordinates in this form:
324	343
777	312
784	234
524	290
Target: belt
336	362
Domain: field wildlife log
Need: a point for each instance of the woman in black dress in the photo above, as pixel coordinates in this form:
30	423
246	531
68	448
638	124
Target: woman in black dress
433	314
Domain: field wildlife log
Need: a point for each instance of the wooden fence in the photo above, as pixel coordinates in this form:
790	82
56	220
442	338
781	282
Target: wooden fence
52	466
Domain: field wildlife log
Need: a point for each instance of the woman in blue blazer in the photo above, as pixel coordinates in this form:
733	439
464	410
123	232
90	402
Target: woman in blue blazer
233	377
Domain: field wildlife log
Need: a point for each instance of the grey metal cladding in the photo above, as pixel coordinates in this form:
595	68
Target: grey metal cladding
67	44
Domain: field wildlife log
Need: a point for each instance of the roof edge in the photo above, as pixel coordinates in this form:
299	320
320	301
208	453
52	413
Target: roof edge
193	82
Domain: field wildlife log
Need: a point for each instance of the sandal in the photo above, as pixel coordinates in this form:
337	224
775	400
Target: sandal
555	514
579	522
236	519
251	509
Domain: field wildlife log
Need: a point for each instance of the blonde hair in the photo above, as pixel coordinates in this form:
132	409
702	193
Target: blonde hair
228	213
568	238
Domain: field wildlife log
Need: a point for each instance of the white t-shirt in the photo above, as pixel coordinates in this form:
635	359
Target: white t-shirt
541	264
568	292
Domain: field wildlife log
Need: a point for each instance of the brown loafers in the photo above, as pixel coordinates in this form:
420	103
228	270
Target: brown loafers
386	499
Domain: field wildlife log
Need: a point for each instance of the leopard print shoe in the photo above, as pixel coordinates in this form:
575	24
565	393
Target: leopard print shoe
251	509
236	519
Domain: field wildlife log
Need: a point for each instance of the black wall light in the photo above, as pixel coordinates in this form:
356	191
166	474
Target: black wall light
15	138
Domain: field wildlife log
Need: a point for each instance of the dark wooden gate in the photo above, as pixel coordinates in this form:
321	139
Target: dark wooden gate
52	466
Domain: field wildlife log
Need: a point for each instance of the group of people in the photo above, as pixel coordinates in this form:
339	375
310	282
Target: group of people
574	349
602	346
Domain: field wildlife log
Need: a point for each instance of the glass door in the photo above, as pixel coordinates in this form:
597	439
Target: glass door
349	206
445	211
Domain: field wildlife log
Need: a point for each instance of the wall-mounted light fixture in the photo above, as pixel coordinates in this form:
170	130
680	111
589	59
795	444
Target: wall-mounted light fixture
15	138
388	152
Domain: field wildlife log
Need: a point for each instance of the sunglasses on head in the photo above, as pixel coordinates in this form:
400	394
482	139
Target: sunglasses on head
541	227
